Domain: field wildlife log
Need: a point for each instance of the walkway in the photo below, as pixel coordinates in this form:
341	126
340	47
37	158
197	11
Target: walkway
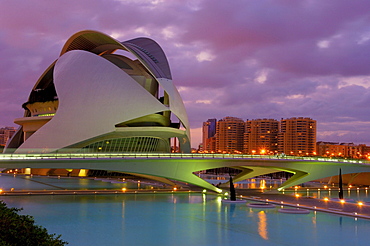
181	167
347	209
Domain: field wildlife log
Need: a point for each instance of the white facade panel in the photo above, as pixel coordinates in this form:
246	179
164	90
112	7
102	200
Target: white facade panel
94	95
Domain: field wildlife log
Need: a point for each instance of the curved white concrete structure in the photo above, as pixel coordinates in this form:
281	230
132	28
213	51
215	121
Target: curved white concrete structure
91	97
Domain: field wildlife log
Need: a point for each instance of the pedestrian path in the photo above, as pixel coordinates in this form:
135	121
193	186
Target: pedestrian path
336	207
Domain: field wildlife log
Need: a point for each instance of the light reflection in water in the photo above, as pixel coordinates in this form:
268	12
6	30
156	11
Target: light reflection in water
262	225
174	199
188	222
219	205
358	193
204	198
204	204
123	209
314	219
253	183
263	184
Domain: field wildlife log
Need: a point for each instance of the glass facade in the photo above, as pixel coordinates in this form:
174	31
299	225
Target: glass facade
130	145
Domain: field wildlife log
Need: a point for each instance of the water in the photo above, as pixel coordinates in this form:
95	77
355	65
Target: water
173	219
22	182
311	189
183	219
253	183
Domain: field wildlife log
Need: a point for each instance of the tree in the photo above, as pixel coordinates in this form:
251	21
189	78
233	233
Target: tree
18	229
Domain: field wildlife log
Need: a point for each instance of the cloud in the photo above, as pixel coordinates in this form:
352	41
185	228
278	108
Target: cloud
249	59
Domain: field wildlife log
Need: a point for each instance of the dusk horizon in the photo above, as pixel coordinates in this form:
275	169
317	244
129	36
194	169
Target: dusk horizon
251	60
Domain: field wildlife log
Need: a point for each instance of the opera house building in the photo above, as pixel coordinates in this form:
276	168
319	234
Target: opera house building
102	95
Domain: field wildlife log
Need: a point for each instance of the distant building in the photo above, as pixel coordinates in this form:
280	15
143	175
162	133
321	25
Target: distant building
297	136
261	136
229	135
365	151
344	150
293	136
208	135
5	134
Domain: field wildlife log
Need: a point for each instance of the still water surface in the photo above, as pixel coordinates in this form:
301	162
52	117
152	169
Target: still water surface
174	219
183	219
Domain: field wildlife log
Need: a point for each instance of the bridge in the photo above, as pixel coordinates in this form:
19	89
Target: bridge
165	167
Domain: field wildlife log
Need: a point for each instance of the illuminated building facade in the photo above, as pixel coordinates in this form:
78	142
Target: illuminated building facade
261	136
94	98
5	134
294	136
229	135
297	136
208	135
344	150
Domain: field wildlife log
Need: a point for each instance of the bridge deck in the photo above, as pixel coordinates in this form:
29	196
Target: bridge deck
35	156
181	167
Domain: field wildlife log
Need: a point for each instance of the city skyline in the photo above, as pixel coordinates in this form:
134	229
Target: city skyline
256	59
293	136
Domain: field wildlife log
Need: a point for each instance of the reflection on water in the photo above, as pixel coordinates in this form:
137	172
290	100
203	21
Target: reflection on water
314	219
262	225
253	183
182	219
262	184
22	182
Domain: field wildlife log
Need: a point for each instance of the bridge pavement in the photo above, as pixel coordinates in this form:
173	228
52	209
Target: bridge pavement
181	167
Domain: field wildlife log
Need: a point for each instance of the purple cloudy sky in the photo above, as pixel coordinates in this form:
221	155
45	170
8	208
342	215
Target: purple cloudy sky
248	59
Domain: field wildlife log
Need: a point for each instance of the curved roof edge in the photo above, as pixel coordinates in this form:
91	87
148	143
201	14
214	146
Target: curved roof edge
152	50
145	49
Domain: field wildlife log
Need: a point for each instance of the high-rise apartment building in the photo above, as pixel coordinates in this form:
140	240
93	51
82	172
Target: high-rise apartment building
261	136
208	134
229	135
294	136
297	136
5	134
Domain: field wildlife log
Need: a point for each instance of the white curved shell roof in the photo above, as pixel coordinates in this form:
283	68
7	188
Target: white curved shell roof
95	95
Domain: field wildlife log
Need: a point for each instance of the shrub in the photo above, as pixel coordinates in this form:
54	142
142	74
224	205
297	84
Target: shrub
20	230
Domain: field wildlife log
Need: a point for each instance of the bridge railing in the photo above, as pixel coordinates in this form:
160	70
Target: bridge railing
34	156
